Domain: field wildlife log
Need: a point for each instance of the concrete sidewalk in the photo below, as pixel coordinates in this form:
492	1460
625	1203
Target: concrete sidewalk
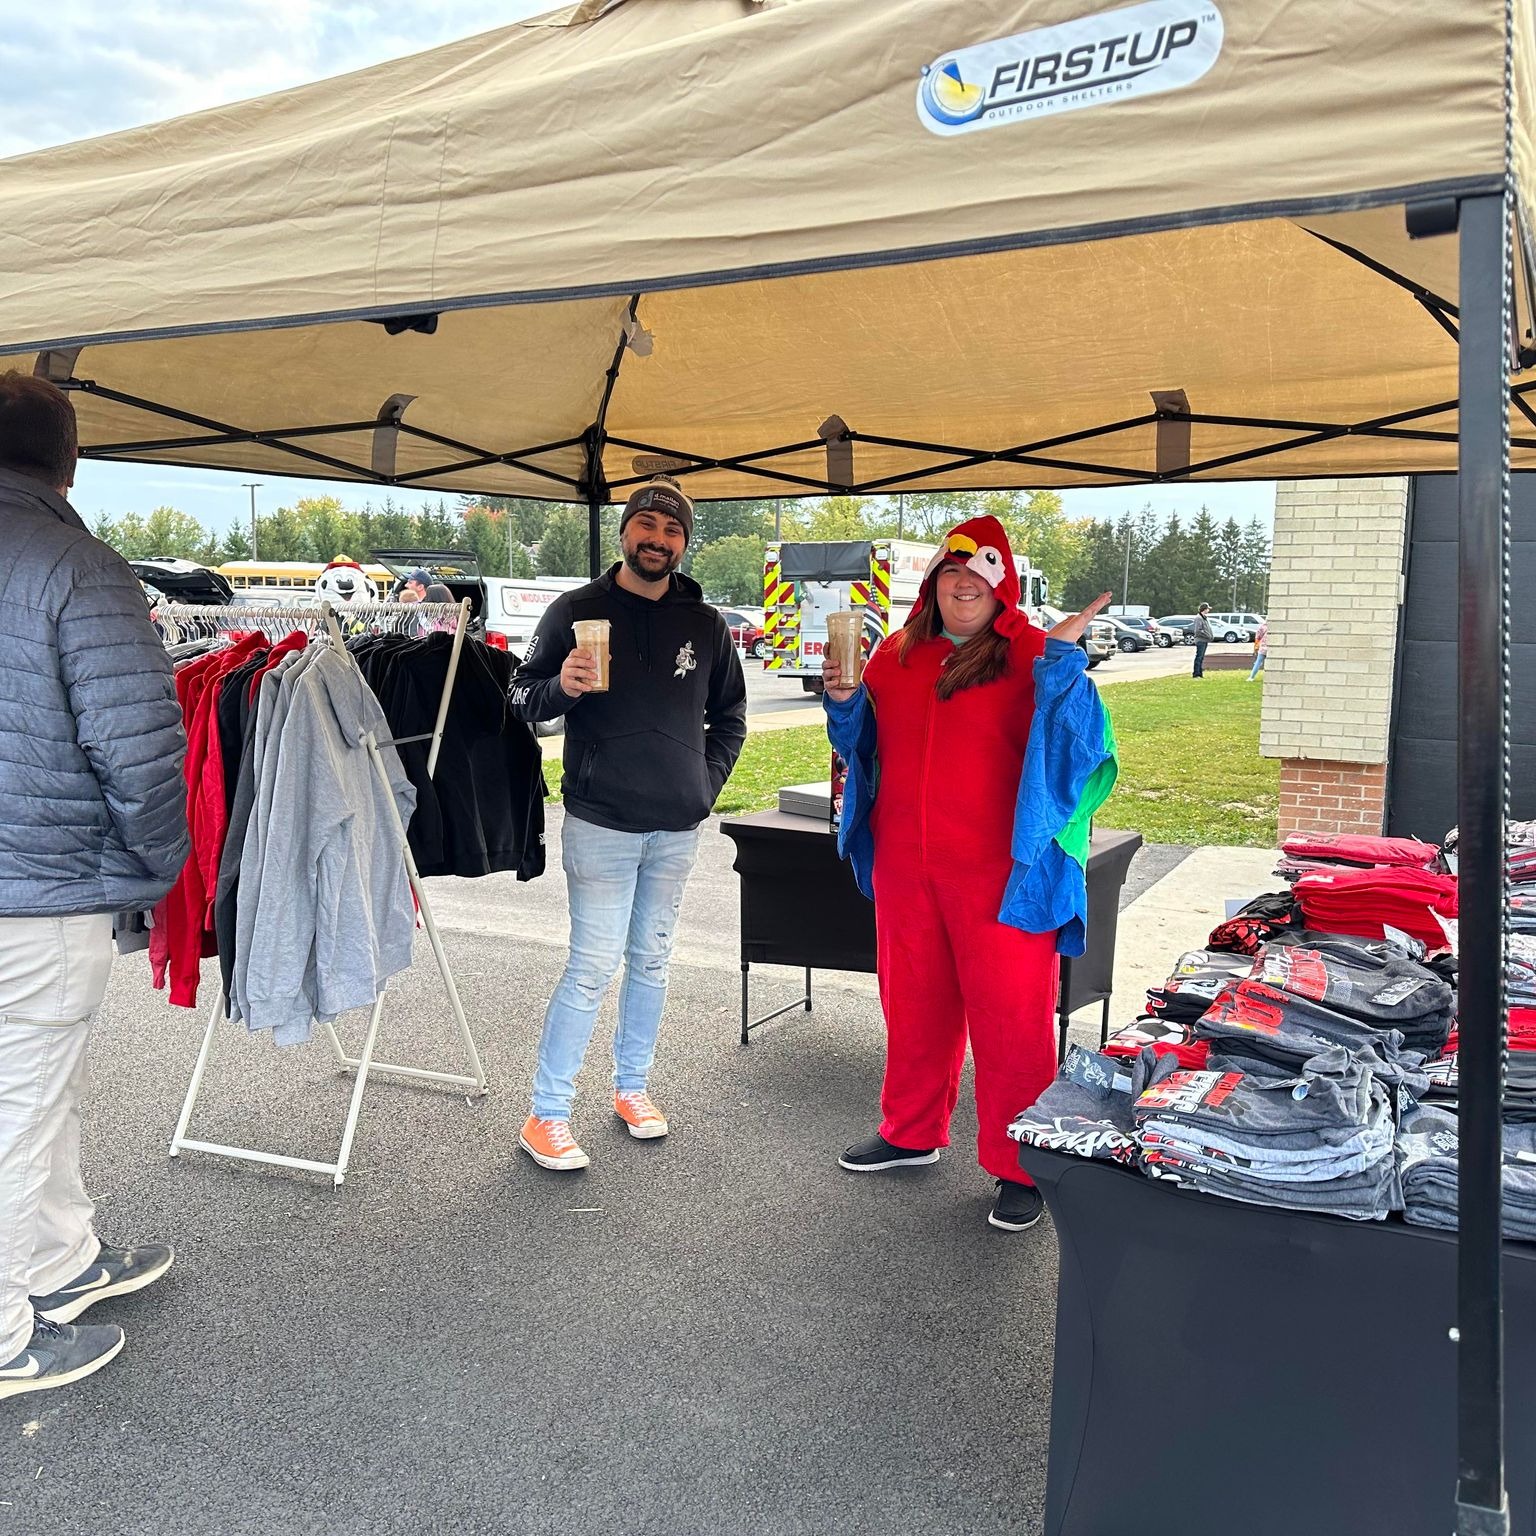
720	1333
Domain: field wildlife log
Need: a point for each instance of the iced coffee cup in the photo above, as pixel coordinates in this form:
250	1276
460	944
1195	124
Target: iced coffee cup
844	635
592	640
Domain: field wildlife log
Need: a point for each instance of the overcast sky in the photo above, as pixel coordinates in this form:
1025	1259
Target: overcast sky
77	68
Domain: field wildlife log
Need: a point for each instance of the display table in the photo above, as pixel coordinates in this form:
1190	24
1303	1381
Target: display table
801	907
1225	1368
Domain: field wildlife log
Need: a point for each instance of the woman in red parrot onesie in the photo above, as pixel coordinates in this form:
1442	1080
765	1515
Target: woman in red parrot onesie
953	699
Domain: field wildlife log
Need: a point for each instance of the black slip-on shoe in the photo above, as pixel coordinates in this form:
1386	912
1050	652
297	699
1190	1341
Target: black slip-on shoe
1017	1206
877	1153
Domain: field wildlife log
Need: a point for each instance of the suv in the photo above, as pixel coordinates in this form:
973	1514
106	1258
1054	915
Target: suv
1128	633
456	569
183	581
1234	626
1176	629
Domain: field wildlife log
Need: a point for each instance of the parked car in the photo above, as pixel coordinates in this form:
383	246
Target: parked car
183	581
456	569
746	626
1232	627
1126	636
1099	643
1148	627
1177	627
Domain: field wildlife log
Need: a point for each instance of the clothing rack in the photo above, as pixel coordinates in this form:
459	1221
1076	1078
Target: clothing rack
181	622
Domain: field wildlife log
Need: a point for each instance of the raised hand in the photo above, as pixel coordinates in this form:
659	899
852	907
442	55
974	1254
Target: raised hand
1071	629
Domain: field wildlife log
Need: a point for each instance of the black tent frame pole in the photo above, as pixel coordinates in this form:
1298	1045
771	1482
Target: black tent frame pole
1482	1506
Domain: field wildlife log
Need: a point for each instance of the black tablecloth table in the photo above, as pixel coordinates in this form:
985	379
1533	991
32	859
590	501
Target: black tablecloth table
1225	1369
801	907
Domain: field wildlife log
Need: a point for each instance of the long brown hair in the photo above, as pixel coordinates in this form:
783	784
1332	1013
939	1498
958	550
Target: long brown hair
982	659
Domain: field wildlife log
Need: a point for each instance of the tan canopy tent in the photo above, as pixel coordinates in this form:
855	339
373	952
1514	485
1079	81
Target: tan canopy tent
714	233
801	245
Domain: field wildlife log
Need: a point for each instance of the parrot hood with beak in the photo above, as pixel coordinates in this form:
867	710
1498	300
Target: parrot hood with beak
980	545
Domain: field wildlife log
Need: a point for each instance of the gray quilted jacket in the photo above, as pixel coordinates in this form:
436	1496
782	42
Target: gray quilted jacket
92	800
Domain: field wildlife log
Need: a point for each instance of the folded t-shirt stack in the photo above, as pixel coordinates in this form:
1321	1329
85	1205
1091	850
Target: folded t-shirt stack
1320	1140
1522	910
1258	1028
1520	971
1086	1111
1167	1037
1196	982
1366	902
1302	853
1427	1146
1372	980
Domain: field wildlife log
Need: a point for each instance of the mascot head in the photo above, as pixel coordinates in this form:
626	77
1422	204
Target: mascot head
980	545
343	582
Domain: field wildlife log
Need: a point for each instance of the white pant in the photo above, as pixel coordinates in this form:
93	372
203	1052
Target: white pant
53	976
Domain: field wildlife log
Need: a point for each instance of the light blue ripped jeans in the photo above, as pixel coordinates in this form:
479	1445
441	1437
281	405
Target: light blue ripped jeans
625	889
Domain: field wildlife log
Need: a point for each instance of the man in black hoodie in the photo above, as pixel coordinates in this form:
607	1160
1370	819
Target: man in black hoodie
644	763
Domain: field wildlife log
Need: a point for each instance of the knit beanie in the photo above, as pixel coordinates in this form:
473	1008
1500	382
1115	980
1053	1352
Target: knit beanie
664	495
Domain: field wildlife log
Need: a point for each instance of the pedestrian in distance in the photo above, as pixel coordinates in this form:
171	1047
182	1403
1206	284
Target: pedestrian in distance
953	698
1201	630
92	822
653	729
1260	649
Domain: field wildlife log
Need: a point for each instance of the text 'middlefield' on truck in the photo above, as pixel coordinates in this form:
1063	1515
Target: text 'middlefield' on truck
805	580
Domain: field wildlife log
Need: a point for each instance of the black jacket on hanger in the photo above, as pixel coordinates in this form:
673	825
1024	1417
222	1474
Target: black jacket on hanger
483	810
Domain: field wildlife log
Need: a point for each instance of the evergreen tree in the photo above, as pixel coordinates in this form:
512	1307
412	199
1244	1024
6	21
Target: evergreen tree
520	564
235	546
484	530
1230	562
563	548
1256	558
1161	591
1202	570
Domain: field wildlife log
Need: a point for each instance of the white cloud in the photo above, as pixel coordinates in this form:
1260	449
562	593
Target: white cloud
78	68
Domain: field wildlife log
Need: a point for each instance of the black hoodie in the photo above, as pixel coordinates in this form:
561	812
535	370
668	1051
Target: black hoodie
653	753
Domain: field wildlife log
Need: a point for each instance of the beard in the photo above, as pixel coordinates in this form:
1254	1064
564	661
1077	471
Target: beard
651	562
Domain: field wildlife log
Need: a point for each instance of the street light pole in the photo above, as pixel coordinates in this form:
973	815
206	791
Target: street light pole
253	488
1125	591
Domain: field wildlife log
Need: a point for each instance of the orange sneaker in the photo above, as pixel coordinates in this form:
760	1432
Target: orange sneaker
550	1144
644	1120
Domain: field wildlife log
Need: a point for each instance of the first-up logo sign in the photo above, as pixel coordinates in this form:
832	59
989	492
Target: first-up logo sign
1142	50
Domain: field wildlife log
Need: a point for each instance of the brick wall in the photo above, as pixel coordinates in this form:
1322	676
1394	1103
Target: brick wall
1321	796
1335	591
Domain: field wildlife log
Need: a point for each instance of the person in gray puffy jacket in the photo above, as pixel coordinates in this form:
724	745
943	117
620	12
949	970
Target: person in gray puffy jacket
92	822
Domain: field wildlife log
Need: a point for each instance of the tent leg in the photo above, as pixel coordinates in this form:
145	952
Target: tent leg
1482	1505
594	537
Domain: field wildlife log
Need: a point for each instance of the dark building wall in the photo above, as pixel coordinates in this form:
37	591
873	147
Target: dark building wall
1421	782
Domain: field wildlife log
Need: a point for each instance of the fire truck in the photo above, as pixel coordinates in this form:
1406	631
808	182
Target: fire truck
804	581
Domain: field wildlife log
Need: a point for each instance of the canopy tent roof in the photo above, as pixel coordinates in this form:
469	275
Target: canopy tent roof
549	259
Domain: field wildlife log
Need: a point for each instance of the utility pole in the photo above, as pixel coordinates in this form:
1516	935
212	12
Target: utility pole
1125	591
778	505
901	514
253	488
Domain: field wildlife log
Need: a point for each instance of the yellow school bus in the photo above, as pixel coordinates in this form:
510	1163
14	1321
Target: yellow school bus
243	574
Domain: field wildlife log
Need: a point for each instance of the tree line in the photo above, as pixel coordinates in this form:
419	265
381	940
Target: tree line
1170	564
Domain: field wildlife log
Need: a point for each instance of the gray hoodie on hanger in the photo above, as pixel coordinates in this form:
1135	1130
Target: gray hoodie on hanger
325	915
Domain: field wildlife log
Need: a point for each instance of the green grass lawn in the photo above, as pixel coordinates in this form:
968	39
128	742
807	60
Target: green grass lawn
1190	770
